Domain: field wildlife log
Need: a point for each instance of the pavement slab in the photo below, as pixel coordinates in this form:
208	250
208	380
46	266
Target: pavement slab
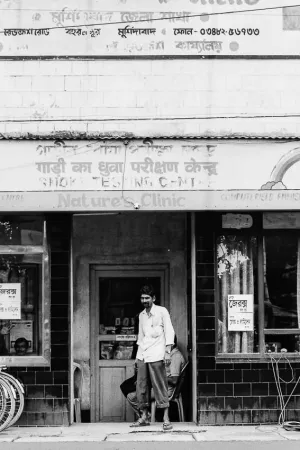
150	436
240	433
122	432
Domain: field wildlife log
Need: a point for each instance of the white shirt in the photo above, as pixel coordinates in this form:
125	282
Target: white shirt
155	333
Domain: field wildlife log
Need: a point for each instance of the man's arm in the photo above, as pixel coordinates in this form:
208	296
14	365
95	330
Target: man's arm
139	339
172	381
175	368
168	330
140	333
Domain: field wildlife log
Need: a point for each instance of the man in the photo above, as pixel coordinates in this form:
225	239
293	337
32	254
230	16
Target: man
173	371
155	340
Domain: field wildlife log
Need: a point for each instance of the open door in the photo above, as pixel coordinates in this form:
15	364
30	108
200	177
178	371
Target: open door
115	306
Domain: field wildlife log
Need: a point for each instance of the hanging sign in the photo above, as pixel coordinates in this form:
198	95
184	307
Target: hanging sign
237	221
10	301
240	313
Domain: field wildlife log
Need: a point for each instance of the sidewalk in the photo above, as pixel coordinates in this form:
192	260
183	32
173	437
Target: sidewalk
121	432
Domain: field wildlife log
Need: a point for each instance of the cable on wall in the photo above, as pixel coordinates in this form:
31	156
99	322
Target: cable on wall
287	425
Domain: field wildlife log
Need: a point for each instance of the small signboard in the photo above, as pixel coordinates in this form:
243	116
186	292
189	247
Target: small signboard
281	220
10	301
237	221
240	313
125	337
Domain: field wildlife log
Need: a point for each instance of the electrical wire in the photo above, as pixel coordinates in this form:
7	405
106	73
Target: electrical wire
220	13
141	119
287	425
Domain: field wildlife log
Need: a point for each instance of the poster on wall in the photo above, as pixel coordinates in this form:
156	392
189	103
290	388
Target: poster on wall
131	28
10	301
240	313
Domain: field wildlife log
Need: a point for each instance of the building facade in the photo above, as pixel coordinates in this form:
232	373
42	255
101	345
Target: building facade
173	161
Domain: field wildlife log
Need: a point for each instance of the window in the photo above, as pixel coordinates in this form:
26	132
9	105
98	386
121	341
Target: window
237	275
258	286
24	299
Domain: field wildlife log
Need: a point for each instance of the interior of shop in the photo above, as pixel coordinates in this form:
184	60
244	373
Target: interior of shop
113	256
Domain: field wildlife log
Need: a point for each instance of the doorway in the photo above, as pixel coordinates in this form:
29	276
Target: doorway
115	306
108	246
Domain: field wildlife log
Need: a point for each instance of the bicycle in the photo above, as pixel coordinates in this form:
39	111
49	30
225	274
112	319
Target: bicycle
18	388
7	403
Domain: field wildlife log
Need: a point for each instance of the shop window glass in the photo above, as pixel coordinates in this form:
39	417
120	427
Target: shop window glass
21	230
265	271
281	291
120	306
24	282
237	279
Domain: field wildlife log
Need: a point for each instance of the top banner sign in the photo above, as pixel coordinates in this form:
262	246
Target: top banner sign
160	28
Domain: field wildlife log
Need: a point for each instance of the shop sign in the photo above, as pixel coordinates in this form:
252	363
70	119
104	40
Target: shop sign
240	313
131	28
237	221
166	175
284	220
10	301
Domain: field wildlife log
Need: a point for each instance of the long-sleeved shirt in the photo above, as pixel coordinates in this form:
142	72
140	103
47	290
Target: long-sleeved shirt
155	333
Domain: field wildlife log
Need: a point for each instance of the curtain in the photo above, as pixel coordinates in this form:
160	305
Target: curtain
235	275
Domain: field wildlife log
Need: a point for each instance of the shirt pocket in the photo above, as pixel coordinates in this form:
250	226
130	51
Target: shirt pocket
157	326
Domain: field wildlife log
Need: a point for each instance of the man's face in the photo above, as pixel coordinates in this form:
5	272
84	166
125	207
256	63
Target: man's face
147	300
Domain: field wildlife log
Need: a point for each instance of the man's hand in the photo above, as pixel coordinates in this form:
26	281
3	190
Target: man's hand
167	358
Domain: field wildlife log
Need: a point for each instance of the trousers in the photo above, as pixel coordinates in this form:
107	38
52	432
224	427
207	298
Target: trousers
152	374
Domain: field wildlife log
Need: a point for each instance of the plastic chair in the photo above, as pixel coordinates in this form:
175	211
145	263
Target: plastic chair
78	377
176	397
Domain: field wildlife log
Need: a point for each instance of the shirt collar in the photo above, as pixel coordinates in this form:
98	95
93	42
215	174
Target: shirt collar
152	310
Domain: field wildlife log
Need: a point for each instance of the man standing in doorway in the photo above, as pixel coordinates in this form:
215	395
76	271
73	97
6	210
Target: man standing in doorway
155	340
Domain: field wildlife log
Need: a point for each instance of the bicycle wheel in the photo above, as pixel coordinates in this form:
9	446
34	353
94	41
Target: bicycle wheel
2	401
9	410
19	393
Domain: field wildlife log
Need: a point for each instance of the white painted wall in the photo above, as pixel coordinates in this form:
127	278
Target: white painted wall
149	98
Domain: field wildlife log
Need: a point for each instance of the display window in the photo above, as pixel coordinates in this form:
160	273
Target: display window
24	296
258	288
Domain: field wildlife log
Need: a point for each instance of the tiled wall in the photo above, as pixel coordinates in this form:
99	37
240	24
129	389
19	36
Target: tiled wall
46	389
232	392
149	98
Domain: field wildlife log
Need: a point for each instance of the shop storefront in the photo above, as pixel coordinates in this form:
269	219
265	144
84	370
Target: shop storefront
212	225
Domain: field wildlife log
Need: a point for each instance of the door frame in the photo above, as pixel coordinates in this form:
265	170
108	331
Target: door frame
115	270
193	312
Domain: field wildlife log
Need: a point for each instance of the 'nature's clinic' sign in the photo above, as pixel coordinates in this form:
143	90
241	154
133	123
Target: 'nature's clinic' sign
100	28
